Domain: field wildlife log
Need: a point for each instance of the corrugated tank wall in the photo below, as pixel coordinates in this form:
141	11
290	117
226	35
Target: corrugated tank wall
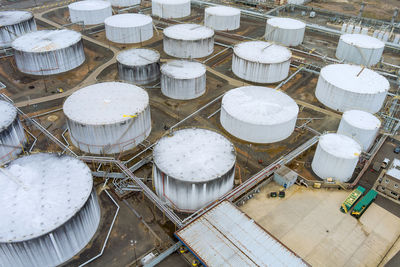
12	140
11	32
188	48
183	88
143	74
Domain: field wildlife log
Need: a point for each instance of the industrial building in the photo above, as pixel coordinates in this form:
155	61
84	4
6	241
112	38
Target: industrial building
389	180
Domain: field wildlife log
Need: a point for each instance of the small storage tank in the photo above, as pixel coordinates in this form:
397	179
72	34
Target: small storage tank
48	52
258	114
108	118
360	49
286	31
12	135
193	167
188	41
183	79
14	24
90	12
124	3
129	28
336	157
343	87
361	126
261	62
222	18
364	30
169	9
49	210
139	65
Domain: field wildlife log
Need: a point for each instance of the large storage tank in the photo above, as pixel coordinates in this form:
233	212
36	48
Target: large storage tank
129	28
343	87
193	167
360	49
361	126
139	65
169	9
14	24
49	210
261	62
286	31
124	3
188	41
183	79
48	52
222	18
90	12
336	157
12	135
108	118
258	114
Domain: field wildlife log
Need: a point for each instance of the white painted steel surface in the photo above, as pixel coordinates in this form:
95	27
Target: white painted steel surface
193	167
90	12
14	24
49	210
361	126
108	118
222	18
258	114
336	157
124	3
261	62
188	41
344	87
129	28
48	52
183	79
286	31
360	49
168	9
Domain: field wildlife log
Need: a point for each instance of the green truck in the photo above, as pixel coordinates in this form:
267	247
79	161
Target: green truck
352	199
364	203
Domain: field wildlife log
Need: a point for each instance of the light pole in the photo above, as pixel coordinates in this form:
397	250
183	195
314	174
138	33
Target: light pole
133	243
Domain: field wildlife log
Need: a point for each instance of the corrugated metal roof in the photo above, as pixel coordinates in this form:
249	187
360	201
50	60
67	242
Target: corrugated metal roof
225	236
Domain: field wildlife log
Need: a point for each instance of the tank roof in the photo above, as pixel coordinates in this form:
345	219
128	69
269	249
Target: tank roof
171	2
182	69
286	23
89	5
39	193
222	11
138	56
361	119
188	32
13	17
340	145
362	40
262	52
128	20
7	114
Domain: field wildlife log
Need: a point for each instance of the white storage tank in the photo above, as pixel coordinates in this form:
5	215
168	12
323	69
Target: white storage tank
183	79
343	87
188	41
49	210
139	65
169	9
361	126
90	12
129	28
193	167
261	62
12	135
336	157
124	3
286	31
14	24
108	118
360	49
48	52
222	18
258	114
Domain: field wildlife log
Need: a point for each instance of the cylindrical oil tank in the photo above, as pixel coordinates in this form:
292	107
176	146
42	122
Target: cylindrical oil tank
286	31
90	12
261	62
193	167
48	52
360	49
139	65
258	114
108	118
222	18
14	24
336	157
344	87
124	3
169	9
12	135
188	41
49	210
183	79
129	28
361	126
